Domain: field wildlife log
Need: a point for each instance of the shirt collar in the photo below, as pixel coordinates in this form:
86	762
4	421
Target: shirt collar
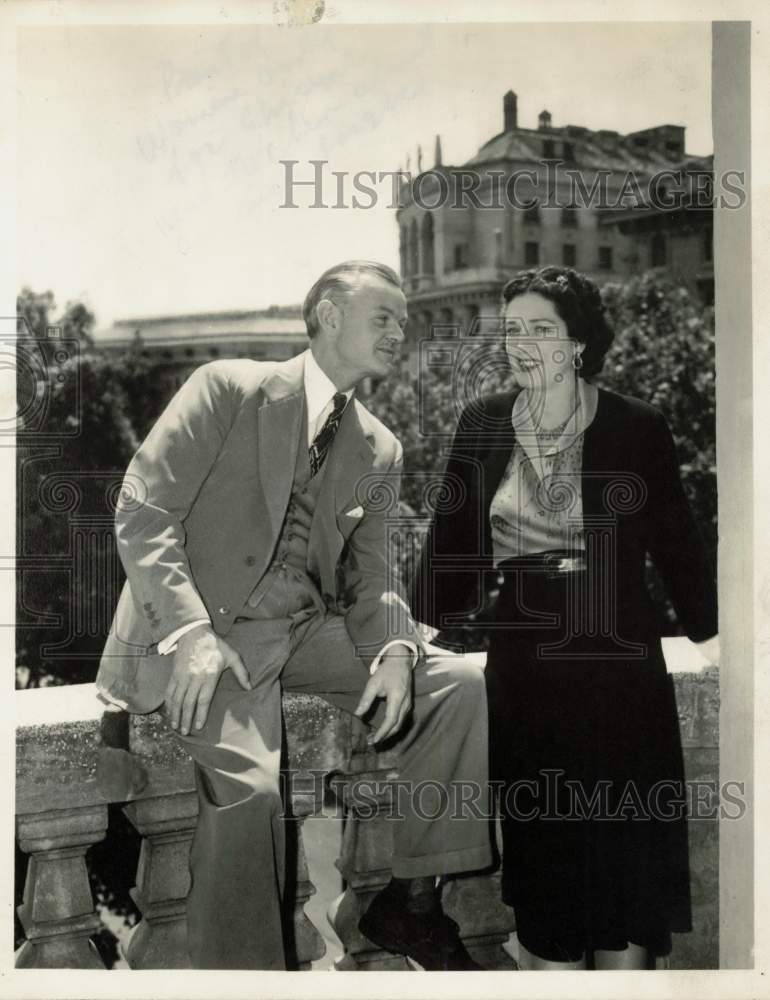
319	388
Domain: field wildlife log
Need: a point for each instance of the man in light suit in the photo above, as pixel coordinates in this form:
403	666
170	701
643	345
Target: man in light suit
252	528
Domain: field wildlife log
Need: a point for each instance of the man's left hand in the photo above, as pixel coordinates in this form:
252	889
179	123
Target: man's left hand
393	682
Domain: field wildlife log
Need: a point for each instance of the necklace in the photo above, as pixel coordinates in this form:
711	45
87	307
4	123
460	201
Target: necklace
555	432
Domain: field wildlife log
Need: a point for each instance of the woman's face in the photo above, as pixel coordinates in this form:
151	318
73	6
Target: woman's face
538	346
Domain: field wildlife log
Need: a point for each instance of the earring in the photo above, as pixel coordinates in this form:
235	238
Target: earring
577	361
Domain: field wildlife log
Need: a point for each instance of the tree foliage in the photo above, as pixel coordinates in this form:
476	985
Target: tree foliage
74	441
664	353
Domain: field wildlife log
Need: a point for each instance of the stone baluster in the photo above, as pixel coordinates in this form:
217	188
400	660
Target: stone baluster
367	848
304	942
317	744
167	824
58	913
485	922
165	815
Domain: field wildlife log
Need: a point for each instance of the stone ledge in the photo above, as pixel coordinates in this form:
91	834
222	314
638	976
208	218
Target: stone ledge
58	736
58	739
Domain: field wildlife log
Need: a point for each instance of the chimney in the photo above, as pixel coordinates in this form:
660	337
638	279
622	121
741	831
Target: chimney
437	154
510	117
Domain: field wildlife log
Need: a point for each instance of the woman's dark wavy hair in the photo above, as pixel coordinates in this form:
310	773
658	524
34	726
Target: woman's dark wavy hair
578	302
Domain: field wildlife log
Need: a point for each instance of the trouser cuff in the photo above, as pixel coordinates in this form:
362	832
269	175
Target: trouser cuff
466	859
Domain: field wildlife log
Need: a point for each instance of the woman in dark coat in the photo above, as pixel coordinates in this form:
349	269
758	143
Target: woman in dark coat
553	495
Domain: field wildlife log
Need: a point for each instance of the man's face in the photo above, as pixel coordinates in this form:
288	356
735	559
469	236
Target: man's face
369	329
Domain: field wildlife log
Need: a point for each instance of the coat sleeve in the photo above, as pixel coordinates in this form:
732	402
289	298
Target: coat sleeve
377	612
446	581
159	488
675	542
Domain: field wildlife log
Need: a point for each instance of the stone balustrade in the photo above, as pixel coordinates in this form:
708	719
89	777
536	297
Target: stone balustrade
61	810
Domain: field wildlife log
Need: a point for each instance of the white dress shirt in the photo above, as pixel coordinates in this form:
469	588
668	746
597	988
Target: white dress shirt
319	395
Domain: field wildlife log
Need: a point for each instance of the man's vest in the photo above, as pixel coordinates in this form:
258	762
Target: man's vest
286	587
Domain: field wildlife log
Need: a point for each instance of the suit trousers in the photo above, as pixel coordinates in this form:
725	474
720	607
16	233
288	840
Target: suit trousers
288	640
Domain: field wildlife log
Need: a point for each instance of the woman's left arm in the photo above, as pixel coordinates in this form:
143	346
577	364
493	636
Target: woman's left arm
675	542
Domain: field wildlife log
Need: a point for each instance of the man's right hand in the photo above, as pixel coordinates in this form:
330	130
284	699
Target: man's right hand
200	658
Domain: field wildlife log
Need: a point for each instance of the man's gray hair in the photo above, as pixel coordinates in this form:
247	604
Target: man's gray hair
340	278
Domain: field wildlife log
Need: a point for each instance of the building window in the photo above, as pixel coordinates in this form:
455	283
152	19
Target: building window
531	254
674	147
569	218
658	250
569	255
214	352
414	250
460	256
532	215
189	352
428	266
605	258
708	245
568	151
549	150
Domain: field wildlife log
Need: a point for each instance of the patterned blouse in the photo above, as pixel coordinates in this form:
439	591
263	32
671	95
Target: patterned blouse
538	505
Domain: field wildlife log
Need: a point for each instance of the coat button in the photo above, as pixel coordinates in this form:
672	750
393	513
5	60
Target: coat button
224	610
250	560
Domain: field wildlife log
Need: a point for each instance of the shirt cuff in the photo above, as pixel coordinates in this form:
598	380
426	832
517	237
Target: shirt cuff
412	647
168	645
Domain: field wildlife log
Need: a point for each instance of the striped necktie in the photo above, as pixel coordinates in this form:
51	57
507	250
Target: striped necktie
323	439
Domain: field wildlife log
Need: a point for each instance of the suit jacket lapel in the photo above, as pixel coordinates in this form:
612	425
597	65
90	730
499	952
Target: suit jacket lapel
348	461
280	425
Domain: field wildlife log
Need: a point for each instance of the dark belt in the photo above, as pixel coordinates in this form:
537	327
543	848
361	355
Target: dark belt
550	564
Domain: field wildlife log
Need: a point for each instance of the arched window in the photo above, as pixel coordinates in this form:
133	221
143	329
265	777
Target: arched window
414	250
428	263
403	240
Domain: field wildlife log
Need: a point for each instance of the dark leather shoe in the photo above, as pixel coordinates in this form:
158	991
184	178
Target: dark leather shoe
432	939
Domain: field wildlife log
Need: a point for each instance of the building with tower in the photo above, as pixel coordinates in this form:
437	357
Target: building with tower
593	199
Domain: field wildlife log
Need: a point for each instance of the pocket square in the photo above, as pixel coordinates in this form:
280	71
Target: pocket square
355	512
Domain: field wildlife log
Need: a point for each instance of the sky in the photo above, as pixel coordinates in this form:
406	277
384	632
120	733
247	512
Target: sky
149	173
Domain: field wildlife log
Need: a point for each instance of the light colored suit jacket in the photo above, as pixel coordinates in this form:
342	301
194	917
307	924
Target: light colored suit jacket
202	506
